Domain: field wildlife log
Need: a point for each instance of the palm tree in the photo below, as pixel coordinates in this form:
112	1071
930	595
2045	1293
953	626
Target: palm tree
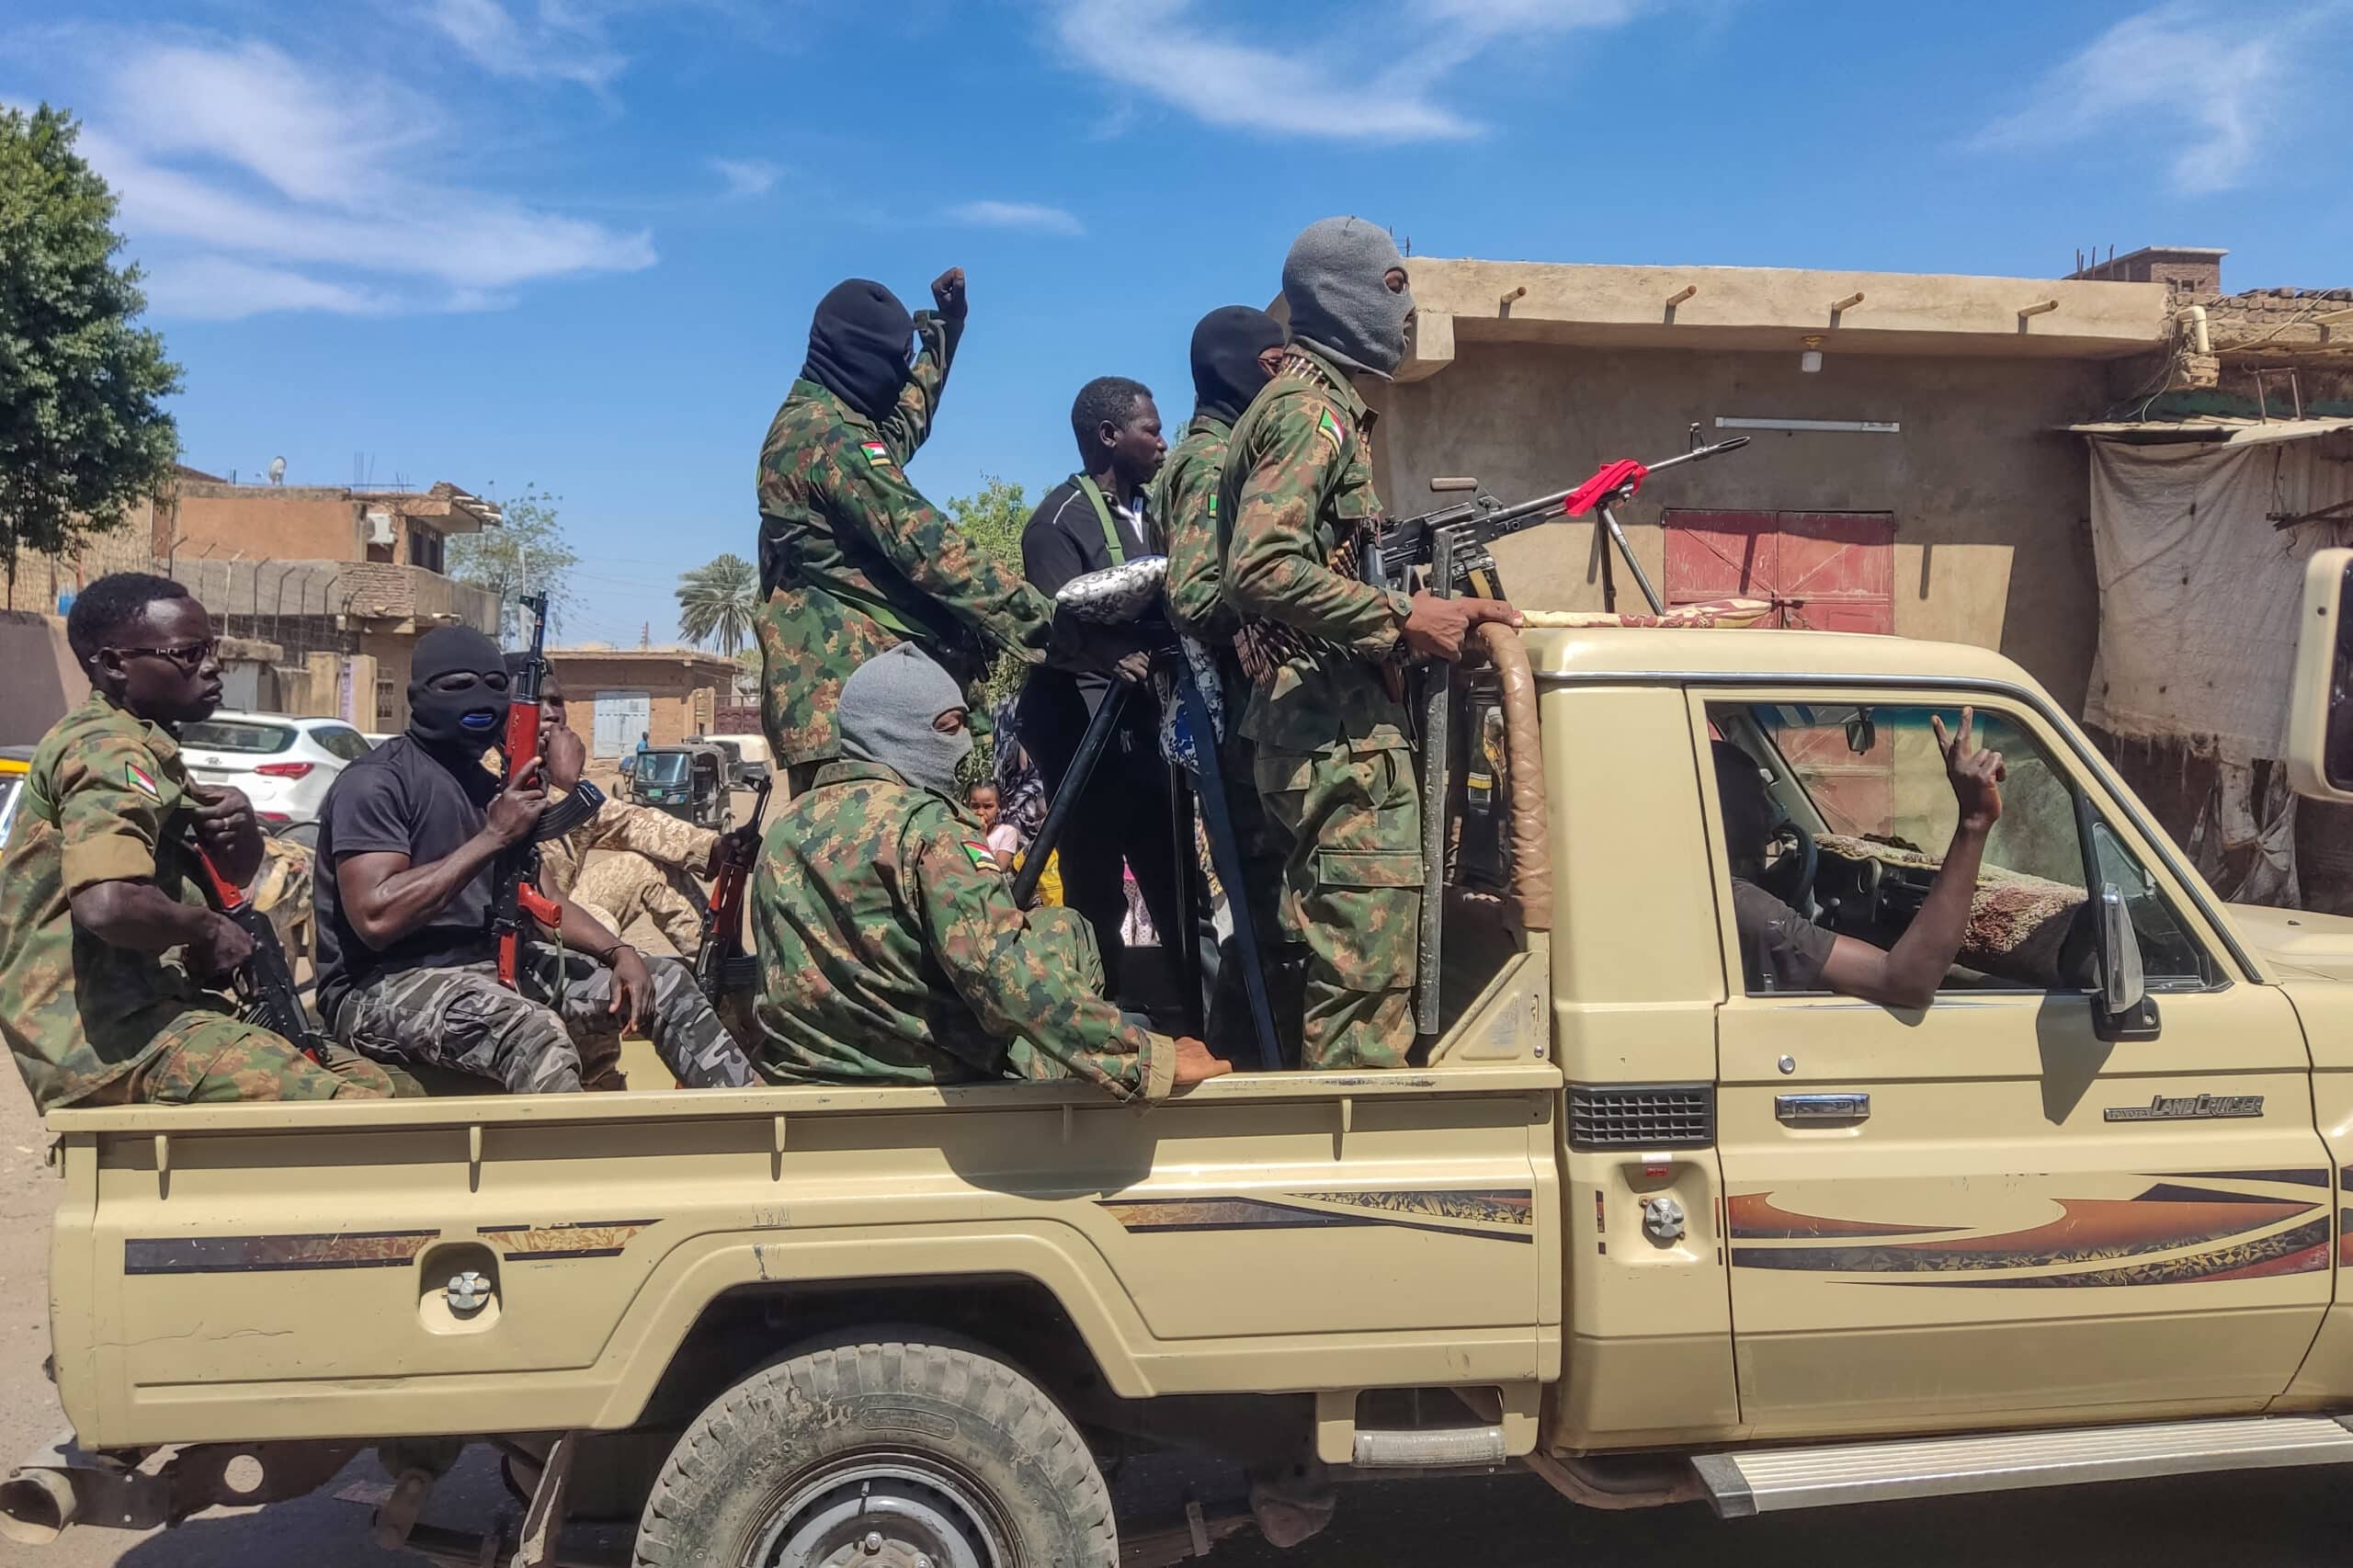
716	603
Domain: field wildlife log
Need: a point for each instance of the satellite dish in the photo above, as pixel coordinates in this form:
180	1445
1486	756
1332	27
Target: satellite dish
277	470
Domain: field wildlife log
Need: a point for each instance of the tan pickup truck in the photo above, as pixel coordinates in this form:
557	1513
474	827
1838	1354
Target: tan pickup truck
1634	1225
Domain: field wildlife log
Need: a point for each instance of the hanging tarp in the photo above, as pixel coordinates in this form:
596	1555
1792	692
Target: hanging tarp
2200	591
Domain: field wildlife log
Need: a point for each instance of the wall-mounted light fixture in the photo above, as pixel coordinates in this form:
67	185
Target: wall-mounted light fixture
1810	360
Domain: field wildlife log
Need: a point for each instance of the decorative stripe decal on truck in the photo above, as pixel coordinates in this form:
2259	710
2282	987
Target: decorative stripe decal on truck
1503	1215
2214	1233
263	1255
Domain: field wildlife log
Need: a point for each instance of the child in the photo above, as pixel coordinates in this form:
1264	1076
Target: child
106	945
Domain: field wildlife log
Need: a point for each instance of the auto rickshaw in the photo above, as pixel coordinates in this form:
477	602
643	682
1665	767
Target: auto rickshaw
689	782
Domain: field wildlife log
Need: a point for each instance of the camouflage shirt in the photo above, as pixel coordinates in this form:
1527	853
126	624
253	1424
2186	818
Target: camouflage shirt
1298	484
860	561
104	803
1184	501
891	952
623	824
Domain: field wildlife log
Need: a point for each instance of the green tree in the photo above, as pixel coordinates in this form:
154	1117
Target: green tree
83	433
716	602
994	518
528	555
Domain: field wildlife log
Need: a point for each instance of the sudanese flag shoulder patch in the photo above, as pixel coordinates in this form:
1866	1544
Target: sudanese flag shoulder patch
876	454
140	779
984	857
1327	429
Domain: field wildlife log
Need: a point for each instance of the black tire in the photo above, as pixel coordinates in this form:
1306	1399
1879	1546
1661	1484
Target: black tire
947	1435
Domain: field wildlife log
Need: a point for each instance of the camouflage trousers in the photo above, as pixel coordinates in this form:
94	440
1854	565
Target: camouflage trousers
619	885
1349	825
462	1019
209	1057
1262	856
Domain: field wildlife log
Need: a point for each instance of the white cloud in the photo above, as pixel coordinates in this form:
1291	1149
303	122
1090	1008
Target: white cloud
247	187
1227	76
558	41
1029	215
2200	83
216	288
747	176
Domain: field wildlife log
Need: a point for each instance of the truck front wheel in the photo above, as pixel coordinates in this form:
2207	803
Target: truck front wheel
881	1455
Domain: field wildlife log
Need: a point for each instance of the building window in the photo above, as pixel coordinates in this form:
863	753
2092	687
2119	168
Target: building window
424	546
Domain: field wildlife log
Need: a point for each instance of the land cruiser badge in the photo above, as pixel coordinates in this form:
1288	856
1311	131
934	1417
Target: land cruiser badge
2186	1107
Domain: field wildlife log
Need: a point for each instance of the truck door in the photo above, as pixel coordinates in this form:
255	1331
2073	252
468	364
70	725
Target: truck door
1983	1209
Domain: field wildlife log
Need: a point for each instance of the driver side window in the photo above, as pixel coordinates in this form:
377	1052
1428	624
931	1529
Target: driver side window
1848	816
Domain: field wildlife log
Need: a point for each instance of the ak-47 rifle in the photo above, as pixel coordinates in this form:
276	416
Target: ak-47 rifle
520	899
721	962
1450	546
264	983
1411	542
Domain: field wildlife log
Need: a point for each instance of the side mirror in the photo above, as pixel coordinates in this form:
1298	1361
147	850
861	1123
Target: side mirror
2123	1010
1862	731
2320	716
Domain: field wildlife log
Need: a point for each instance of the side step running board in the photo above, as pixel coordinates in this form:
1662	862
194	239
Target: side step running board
1769	1481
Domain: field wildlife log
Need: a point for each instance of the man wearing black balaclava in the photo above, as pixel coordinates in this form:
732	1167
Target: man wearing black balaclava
853	559
1236	349
411	837
1323	649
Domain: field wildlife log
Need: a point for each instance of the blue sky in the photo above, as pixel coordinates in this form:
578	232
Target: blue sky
575	243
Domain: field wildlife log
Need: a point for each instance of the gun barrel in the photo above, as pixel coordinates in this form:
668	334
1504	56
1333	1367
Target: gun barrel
1701	454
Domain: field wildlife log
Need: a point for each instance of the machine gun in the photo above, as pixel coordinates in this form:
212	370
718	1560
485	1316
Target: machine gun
1452	541
721	962
1450	546
519	897
264	982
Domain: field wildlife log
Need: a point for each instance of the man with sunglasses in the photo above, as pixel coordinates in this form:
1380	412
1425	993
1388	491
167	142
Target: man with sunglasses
109	952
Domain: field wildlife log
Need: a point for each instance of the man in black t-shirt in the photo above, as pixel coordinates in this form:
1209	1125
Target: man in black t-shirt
1782	950
410	838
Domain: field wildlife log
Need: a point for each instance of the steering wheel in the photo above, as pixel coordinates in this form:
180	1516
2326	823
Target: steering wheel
1788	875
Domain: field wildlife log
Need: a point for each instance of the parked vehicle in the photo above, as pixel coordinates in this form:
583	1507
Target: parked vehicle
1629	1223
690	781
748	755
15	762
284	765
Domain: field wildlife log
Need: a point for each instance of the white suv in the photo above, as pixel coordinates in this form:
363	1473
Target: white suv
284	765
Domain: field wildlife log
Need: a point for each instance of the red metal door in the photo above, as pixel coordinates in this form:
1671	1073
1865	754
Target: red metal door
1824	571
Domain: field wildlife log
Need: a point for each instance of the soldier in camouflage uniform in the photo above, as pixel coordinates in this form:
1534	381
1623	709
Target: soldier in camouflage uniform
1235	349
107	949
853	559
893	952
1325	650
646	859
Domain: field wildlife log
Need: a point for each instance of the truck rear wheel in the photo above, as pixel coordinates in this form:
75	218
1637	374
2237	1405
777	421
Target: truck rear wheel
894	1454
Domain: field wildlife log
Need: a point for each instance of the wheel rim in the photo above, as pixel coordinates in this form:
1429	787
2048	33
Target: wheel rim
884	1511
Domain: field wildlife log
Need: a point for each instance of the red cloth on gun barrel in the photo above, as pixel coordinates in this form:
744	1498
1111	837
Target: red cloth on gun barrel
1623	474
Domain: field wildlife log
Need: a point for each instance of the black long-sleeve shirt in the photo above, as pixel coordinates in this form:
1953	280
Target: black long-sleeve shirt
1064	539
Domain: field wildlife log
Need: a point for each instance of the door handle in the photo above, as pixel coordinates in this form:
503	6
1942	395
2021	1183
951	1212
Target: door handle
1796	1109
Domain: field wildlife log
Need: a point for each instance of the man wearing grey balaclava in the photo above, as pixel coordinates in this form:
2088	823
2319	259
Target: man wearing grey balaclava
1325	651
891	948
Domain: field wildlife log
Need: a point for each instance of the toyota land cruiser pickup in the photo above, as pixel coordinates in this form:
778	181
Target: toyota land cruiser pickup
1629	1223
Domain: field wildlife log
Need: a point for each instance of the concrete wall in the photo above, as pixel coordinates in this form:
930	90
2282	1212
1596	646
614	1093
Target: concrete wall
1989	499
253	524
43	680
40	579
681	698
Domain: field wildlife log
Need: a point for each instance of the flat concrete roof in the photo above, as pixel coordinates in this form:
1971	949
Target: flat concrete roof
1774	308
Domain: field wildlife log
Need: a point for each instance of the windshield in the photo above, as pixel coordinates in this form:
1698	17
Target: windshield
662	768
235	734
1875	774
